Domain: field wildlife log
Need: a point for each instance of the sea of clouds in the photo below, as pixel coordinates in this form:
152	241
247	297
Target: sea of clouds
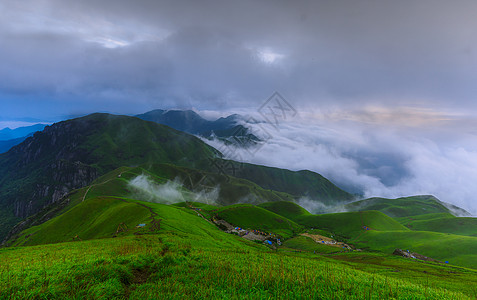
383	153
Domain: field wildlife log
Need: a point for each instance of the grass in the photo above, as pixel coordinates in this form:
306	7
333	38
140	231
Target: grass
170	266
285	208
253	217
191	258
304	243
403	207
297	184
385	234
94	218
70	154
444	223
350	225
457	249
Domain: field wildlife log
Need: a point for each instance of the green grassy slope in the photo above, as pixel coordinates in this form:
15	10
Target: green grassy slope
303	243
115	184
386	234
252	217
424	217
403	207
231	189
197	261
99	217
71	154
349	225
445	223
94	218
295	183
191	258
285	208
457	249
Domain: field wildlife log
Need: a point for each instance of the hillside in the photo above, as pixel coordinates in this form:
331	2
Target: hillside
300	183
287	209
94	218
456	249
203	262
186	256
188	184
406	206
8	144
191	122
252	217
12	137
443	222
20	132
71	154
351	224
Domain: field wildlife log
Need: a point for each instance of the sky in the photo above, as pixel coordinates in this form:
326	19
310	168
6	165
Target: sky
384	90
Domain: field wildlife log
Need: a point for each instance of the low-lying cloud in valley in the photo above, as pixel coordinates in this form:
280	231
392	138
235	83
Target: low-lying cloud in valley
373	152
389	88
145	188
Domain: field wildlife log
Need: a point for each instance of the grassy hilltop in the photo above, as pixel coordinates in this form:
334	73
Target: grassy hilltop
72	154
189	257
150	224
441	236
92	247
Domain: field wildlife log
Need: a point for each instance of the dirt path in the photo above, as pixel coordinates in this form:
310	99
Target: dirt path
199	214
325	240
89	188
318	238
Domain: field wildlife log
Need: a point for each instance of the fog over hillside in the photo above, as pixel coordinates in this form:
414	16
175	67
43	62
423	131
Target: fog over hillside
402	153
385	91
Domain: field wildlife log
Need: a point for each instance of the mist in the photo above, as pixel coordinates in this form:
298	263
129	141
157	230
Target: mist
316	207
386	89
374	153
144	188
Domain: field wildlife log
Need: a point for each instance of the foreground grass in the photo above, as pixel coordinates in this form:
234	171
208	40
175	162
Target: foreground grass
189	257
171	265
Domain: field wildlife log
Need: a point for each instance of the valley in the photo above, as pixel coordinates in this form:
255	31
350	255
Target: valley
159	222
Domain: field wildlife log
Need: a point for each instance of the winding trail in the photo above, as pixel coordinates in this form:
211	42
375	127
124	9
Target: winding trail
89	188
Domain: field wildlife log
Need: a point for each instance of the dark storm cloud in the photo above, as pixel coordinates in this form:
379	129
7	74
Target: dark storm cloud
210	54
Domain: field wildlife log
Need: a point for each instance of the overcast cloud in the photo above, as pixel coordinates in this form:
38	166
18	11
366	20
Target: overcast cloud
386	89
68	57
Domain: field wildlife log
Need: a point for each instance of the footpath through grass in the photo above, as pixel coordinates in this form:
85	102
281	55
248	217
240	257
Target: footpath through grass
173	265
190	258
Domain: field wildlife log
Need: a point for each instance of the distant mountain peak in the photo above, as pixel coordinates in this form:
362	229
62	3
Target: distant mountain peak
191	122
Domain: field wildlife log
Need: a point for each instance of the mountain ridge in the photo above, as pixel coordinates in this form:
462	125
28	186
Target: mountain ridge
191	122
20	132
72	153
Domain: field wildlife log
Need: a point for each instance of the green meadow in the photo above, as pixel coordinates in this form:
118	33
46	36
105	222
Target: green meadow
190	258
105	243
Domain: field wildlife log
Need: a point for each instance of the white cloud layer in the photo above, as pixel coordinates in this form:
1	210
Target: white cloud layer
378	158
